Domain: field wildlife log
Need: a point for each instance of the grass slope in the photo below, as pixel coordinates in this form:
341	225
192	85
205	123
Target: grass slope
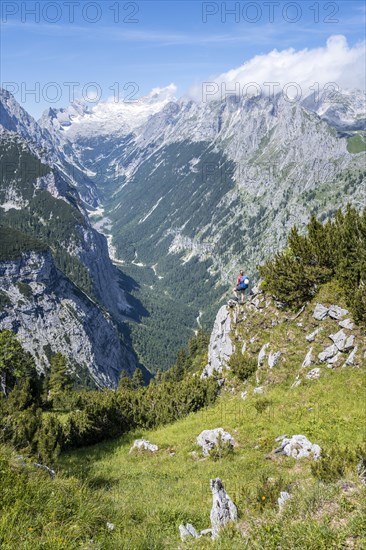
151	495
146	496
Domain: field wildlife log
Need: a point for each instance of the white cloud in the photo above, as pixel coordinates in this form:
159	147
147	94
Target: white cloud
336	62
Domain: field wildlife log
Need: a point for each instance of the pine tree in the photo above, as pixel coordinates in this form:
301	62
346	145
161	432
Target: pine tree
125	381
333	251
49	439
59	380
15	363
137	379
158	376
180	366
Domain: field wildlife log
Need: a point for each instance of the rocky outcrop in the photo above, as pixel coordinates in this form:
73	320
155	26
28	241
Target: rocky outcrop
223	509
220	347
342	343
334	312
342	340
298	446
50	314
328	353
337	313
144	445
347	324
211	439
320	312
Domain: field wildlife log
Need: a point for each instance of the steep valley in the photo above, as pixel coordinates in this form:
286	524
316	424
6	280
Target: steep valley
195	191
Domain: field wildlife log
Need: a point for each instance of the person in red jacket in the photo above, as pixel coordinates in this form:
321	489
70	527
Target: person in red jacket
241	286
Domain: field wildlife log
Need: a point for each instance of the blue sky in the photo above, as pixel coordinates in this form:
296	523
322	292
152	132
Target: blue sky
153	43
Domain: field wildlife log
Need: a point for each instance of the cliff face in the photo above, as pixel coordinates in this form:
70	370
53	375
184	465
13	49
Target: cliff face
48	312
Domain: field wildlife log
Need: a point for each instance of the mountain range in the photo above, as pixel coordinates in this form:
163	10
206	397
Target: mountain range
186	193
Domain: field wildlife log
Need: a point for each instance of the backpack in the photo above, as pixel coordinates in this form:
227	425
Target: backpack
244	282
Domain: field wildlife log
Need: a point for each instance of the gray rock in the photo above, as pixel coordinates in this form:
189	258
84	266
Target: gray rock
339	339
220	347
298	446
328	353
311	337
259	389
255	290
282	499
144	445
347	323
350	342
188	531
320	312
244	394
262	354
296	383
351	358
308	358
281	437
209	439
273	359
334	360
336	312
314	374
223	509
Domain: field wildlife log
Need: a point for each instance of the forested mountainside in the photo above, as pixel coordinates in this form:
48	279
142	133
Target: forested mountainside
190	192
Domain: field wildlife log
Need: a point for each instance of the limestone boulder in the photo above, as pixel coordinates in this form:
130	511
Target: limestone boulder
298	446
336	312
320	312
144	445
209	439
223	509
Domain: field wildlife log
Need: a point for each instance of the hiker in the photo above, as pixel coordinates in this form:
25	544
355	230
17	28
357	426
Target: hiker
242	283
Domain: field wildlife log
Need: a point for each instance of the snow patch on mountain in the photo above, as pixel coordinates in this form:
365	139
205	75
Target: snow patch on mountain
116	116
